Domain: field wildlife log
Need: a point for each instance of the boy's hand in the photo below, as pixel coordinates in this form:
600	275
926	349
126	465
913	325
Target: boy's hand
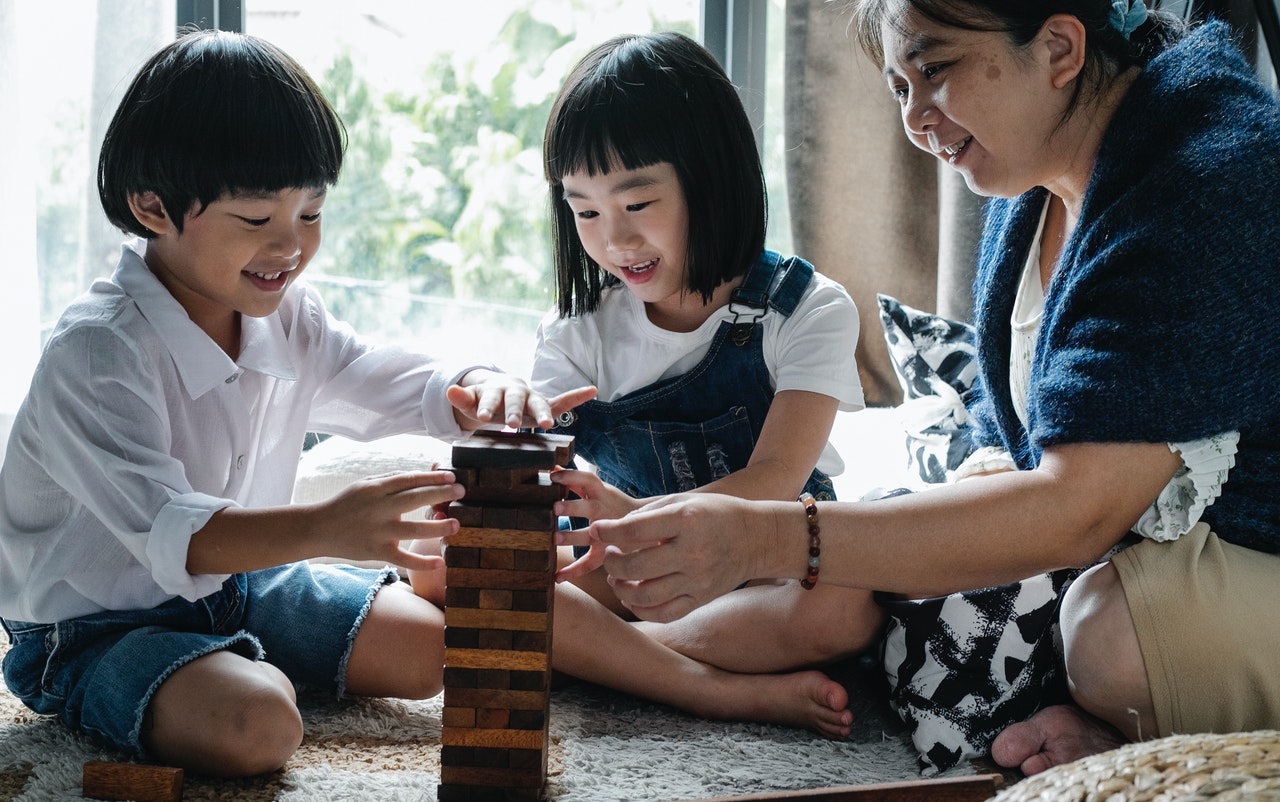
482	396
365	521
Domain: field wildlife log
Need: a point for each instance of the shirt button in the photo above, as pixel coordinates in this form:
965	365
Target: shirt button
232	378
240	463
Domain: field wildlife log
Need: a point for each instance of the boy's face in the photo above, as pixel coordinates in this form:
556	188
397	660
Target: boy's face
238	255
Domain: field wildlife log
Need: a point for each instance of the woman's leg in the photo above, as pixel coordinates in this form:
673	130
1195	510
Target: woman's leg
775	627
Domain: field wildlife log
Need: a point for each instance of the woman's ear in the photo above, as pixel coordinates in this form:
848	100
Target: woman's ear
149	211
1064	38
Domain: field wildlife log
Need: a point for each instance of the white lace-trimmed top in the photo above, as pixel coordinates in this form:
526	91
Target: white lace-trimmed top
1205	462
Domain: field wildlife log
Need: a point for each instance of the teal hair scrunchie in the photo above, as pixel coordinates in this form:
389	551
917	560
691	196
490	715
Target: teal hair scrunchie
1127	15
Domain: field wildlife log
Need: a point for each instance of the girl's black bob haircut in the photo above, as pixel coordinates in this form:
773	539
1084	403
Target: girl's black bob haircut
635	101
214	113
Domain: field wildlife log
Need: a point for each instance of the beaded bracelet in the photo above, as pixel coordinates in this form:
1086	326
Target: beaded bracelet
815	541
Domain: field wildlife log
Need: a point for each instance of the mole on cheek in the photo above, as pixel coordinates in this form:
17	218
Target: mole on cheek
993	72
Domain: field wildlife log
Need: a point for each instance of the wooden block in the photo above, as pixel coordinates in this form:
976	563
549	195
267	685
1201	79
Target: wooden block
458	716
495	598
496	578
496	517
464	638
506	660
528	641
509	778
118	781
461	557
536	519
519	539
542	561
458	792
475	756
460	677
531	601
525	758
472	618
507	739
530	681
500	559
507	450
496	718
961	789
494	639
524	719
494	678
466	514
464	597
488	697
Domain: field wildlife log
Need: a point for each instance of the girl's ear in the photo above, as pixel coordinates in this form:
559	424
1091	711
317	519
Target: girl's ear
1064	38
149	211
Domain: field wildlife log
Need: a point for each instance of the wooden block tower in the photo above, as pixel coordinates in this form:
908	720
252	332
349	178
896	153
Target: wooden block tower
500	587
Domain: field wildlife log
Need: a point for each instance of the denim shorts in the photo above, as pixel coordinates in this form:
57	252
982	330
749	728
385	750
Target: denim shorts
98	673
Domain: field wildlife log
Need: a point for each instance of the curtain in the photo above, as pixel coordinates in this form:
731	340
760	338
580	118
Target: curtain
868	208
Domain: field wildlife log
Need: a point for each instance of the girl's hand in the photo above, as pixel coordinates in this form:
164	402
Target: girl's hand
679	552
482	395
364	521
596	500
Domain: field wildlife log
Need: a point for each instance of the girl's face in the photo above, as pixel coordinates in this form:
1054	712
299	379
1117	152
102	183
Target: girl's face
238	255
635	225
972	100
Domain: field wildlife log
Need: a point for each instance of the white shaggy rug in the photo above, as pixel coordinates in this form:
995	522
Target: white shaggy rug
605	746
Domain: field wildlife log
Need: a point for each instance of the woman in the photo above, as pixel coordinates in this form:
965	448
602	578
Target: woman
1136	188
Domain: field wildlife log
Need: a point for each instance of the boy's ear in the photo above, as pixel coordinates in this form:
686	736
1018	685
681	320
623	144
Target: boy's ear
1064	38
149	211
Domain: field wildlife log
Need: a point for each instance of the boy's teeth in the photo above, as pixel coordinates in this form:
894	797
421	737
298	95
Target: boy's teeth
268	276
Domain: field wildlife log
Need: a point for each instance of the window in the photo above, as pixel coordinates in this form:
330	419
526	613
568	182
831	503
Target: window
437	230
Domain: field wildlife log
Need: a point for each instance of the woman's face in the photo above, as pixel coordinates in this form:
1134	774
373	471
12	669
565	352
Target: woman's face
974	101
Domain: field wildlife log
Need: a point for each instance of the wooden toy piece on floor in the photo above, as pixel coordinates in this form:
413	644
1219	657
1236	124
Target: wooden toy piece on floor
499	594
132	781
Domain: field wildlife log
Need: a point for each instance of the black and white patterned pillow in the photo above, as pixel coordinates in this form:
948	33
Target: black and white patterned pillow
962	667
936	364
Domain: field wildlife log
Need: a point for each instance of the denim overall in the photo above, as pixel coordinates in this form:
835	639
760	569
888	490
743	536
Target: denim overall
687	431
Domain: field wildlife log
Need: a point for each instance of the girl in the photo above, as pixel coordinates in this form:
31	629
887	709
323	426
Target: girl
719	365
1137	188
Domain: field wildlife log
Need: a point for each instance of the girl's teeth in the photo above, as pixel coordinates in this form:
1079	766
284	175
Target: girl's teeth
643	266
269	277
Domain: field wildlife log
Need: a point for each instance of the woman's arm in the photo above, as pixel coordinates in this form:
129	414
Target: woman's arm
676	555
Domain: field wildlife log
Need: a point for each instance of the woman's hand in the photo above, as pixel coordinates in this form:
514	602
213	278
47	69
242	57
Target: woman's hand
483	395
680	552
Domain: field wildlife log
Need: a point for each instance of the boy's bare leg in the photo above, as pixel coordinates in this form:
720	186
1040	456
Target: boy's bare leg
399	649
775	627
225	715
593	644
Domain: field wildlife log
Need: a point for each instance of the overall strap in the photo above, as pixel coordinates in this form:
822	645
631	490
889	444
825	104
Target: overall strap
770	282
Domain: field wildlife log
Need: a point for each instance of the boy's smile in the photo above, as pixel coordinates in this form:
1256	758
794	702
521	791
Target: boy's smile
235	257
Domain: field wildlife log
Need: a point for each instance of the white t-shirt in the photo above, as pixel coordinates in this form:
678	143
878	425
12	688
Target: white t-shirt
138	428
617	349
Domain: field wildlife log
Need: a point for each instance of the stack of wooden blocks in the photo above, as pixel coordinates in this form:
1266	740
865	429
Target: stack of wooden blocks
500	588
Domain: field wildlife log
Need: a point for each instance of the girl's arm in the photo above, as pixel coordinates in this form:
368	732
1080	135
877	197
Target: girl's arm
795	432
1083	498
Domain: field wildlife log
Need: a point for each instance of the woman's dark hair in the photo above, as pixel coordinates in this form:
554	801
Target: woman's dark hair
1108	52
212	113
635	101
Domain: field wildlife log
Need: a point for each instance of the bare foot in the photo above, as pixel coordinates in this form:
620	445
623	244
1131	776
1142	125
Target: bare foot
807	699
1053	736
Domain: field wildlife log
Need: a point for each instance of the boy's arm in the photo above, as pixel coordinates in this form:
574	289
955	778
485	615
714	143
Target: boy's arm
362	522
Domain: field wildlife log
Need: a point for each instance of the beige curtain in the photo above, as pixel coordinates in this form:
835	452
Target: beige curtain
868	208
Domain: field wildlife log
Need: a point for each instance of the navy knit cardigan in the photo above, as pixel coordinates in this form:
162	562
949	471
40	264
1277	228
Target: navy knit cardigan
1162	323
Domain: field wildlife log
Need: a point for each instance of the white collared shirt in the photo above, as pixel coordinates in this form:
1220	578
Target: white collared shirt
138	428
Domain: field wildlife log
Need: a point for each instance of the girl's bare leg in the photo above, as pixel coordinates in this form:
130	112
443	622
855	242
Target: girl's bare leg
593	644
399	649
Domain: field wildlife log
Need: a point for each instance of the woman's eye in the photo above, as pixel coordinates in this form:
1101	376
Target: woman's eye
931	70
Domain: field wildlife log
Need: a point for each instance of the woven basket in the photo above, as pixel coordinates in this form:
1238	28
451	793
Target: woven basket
1187	768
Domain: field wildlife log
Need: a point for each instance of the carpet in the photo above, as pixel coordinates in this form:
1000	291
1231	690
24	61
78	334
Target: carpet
604	746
